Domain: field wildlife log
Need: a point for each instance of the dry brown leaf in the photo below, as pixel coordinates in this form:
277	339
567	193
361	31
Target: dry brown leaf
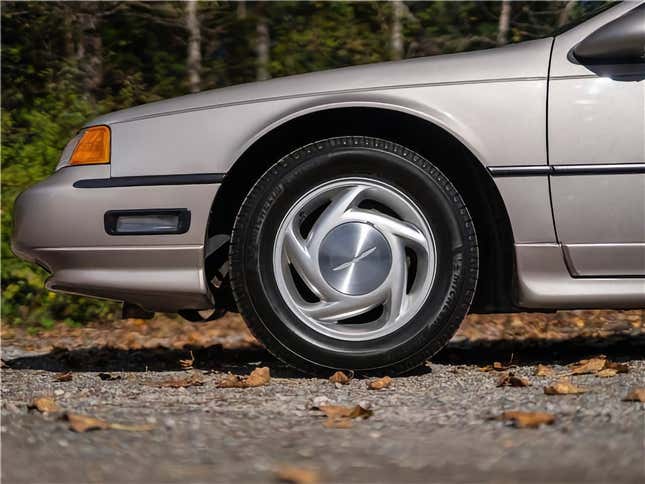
232	381
258	377
188	363
607	373
619	367
380	384
563	387
44	405
544	370
297	475
83	423
636	395
340	416
109	377
66	376
190	381
512	380
528	419
340	378
591	365
497	366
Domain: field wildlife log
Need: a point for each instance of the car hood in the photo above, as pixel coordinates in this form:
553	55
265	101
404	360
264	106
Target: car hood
518	61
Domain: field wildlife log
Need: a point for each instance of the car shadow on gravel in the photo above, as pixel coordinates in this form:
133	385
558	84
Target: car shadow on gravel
242	360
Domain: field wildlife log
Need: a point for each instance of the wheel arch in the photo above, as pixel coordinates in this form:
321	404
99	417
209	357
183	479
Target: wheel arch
434	142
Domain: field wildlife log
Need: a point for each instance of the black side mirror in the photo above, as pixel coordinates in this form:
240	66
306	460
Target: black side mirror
621	41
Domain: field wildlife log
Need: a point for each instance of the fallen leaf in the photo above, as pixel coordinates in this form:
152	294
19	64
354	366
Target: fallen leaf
340	416
563	387
592	365
109	377
380	384
607	373
619	367
340	378
188	363
497	366
528	419
297	475
512	380
636	395
544	370
84	423
44	405
343	411
258	377
66	376
189	381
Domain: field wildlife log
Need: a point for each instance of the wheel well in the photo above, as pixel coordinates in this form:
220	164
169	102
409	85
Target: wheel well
434	143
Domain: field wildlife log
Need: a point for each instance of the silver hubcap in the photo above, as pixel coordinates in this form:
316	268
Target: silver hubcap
354	259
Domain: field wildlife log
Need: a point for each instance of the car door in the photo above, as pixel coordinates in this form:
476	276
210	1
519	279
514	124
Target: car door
596	143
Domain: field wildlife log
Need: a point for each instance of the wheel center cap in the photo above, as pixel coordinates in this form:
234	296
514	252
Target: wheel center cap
354	258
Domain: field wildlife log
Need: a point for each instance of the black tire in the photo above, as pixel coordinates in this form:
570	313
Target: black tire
253	282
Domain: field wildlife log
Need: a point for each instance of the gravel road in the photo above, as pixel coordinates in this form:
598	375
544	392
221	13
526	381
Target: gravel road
432	426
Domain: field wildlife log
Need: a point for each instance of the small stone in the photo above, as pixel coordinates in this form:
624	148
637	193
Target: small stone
58	392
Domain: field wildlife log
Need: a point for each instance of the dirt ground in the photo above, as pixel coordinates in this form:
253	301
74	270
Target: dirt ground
438	424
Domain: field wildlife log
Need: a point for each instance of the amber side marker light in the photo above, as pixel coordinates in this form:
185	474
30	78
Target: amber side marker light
93	148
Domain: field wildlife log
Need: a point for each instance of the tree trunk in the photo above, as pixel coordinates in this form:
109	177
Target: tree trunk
89	51
262	46
241	10
566	12
504	23
396	34
194	53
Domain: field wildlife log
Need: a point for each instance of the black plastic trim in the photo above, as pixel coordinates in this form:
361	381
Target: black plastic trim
521	170
567	170
138	181
183	214
600	169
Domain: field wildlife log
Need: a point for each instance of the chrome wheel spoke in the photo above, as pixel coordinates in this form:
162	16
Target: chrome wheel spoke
299	256
404	230
397	298
329	218
341	309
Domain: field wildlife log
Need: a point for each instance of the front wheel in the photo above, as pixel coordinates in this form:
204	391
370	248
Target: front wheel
353	253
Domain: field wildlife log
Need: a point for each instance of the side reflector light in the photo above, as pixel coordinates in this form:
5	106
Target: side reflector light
93	148
147	221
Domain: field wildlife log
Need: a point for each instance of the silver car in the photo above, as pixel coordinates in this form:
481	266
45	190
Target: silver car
355	216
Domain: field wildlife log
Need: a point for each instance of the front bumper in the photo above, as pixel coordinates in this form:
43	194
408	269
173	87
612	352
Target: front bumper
61	228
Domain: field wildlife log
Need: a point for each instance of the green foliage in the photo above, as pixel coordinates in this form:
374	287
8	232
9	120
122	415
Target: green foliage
63	63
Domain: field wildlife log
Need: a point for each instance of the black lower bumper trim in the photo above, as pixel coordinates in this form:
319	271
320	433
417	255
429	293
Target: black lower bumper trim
138	181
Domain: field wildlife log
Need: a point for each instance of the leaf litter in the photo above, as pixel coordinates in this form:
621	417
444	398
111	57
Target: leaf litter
44	405
530	420
510	379
297	475
85	423
340	378
635	395
380	384
65	376
341	416
564	386
258	377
